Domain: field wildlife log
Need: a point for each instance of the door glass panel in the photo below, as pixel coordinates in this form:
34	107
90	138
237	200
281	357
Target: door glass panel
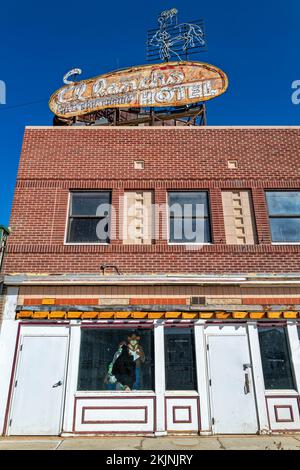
116	359
275	358
180	359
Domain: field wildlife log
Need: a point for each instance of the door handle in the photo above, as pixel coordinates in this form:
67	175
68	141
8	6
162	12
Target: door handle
247	384
58	384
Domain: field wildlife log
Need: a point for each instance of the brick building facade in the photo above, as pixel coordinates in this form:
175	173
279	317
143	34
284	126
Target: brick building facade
57	160
234	295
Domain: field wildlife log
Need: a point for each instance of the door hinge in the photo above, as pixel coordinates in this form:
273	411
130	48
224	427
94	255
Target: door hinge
209	382
207	347
21	347
212	421
16	383
10	421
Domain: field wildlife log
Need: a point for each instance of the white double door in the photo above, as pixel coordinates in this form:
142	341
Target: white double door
38	393
231	389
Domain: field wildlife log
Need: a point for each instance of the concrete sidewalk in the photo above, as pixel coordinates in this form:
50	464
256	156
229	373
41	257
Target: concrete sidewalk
180	443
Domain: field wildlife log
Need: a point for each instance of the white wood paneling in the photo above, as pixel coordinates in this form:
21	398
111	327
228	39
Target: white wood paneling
182	414
8	338
294	350
258	378
283	413
160	384
202	376
72	375
118	414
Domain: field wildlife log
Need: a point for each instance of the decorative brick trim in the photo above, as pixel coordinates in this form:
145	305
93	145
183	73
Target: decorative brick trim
217	216
261	214
148	183
214	248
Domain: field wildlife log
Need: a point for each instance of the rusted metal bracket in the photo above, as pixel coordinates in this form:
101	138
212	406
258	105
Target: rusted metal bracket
105	266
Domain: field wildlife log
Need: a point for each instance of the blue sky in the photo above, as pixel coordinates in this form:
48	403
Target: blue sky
256	43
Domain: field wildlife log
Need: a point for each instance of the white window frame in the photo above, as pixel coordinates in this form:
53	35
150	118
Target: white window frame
67	223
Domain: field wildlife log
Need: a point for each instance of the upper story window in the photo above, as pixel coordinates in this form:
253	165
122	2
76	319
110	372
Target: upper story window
189	217
89	217
284	215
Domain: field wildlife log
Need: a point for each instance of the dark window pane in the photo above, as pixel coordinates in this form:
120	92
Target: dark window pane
283	202
275	359
180	359
285	229
107	363
188	214
88	203
189	230
187	202
88	230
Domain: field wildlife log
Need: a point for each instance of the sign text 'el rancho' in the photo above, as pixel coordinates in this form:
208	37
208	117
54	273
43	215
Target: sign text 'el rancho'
167	84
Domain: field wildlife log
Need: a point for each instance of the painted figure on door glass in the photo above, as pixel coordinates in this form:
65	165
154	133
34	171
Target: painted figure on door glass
124	371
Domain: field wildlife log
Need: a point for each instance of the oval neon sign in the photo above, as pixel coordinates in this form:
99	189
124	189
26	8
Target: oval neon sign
166	84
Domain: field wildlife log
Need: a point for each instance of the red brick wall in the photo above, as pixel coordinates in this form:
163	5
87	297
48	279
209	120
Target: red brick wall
55	160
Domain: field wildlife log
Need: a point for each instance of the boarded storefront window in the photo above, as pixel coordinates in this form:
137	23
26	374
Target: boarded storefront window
180	359
275	358
116	359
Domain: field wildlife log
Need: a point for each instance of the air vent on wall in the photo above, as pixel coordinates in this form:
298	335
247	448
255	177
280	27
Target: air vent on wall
196	301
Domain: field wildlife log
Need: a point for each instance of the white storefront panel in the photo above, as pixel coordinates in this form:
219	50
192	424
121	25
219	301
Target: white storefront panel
283	413
117	414
183	414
